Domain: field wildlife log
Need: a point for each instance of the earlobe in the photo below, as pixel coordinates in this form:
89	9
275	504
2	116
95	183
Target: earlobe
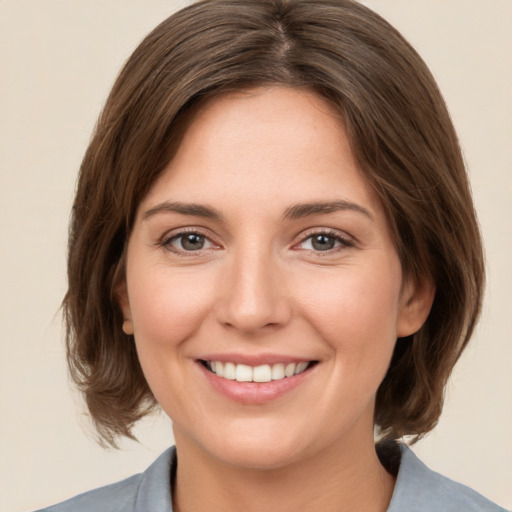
121	294
128	327
415	304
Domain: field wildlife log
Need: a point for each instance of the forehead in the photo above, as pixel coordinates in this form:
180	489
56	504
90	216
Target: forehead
267	144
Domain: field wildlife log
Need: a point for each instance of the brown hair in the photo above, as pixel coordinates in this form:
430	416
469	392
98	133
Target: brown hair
400	133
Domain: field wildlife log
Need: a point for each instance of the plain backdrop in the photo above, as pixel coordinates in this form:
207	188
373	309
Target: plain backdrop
58	59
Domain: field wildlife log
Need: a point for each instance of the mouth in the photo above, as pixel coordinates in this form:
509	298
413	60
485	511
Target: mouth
260	374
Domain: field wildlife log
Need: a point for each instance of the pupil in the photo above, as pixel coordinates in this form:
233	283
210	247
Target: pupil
192	242
323	242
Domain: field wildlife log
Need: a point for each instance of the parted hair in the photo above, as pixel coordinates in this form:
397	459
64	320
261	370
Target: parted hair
400	133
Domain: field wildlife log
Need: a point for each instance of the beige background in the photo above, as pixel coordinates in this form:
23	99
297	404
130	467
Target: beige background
58	59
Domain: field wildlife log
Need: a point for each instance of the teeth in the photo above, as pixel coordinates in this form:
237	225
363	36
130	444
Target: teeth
300	368
229	371
278	372
243	373
263	373
289	371
217	368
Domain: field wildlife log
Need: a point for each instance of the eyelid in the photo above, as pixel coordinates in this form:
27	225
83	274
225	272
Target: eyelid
340	236
166	239
343	238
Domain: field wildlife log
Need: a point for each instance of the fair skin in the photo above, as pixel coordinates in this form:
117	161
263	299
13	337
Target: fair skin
263	246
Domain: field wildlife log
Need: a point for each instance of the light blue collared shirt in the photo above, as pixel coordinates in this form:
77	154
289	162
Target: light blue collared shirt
417	489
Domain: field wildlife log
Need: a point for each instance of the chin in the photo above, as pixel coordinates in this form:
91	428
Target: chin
259	456
247	447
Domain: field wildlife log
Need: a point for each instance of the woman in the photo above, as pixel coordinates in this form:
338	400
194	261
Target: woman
273	239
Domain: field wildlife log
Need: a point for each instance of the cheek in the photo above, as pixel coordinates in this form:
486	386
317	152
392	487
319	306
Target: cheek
167	306
356	311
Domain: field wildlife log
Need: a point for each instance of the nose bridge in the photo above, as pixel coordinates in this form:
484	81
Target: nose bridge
253	292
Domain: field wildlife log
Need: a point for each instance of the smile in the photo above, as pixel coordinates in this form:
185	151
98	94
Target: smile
262	373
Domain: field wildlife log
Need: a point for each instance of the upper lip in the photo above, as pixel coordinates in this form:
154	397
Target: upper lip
255	359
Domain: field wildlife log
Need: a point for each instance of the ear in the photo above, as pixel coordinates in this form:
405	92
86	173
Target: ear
121	293
415	304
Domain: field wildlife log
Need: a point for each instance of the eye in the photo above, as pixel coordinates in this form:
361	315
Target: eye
188	242
322	242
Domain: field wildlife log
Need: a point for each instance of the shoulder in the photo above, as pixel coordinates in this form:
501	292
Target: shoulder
420	489
115	497
150	490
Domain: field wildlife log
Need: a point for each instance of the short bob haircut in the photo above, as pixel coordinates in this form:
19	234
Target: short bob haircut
400	133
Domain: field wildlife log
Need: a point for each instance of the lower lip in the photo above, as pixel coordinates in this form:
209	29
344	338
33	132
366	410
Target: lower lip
254	392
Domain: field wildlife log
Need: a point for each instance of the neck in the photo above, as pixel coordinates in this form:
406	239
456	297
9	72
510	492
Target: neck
340	479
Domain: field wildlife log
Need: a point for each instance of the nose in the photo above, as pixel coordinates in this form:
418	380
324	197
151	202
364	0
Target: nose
253	295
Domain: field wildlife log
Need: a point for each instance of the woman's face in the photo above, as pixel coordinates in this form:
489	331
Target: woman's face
262	284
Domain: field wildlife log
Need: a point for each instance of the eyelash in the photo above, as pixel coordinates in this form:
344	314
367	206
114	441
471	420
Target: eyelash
343	241
167	240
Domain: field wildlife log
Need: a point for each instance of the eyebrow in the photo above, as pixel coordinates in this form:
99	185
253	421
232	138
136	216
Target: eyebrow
301	210
297	211
193	209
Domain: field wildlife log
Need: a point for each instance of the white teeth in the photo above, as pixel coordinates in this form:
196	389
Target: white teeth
289	370
300	368
278	371
243	373
229	371
262	373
